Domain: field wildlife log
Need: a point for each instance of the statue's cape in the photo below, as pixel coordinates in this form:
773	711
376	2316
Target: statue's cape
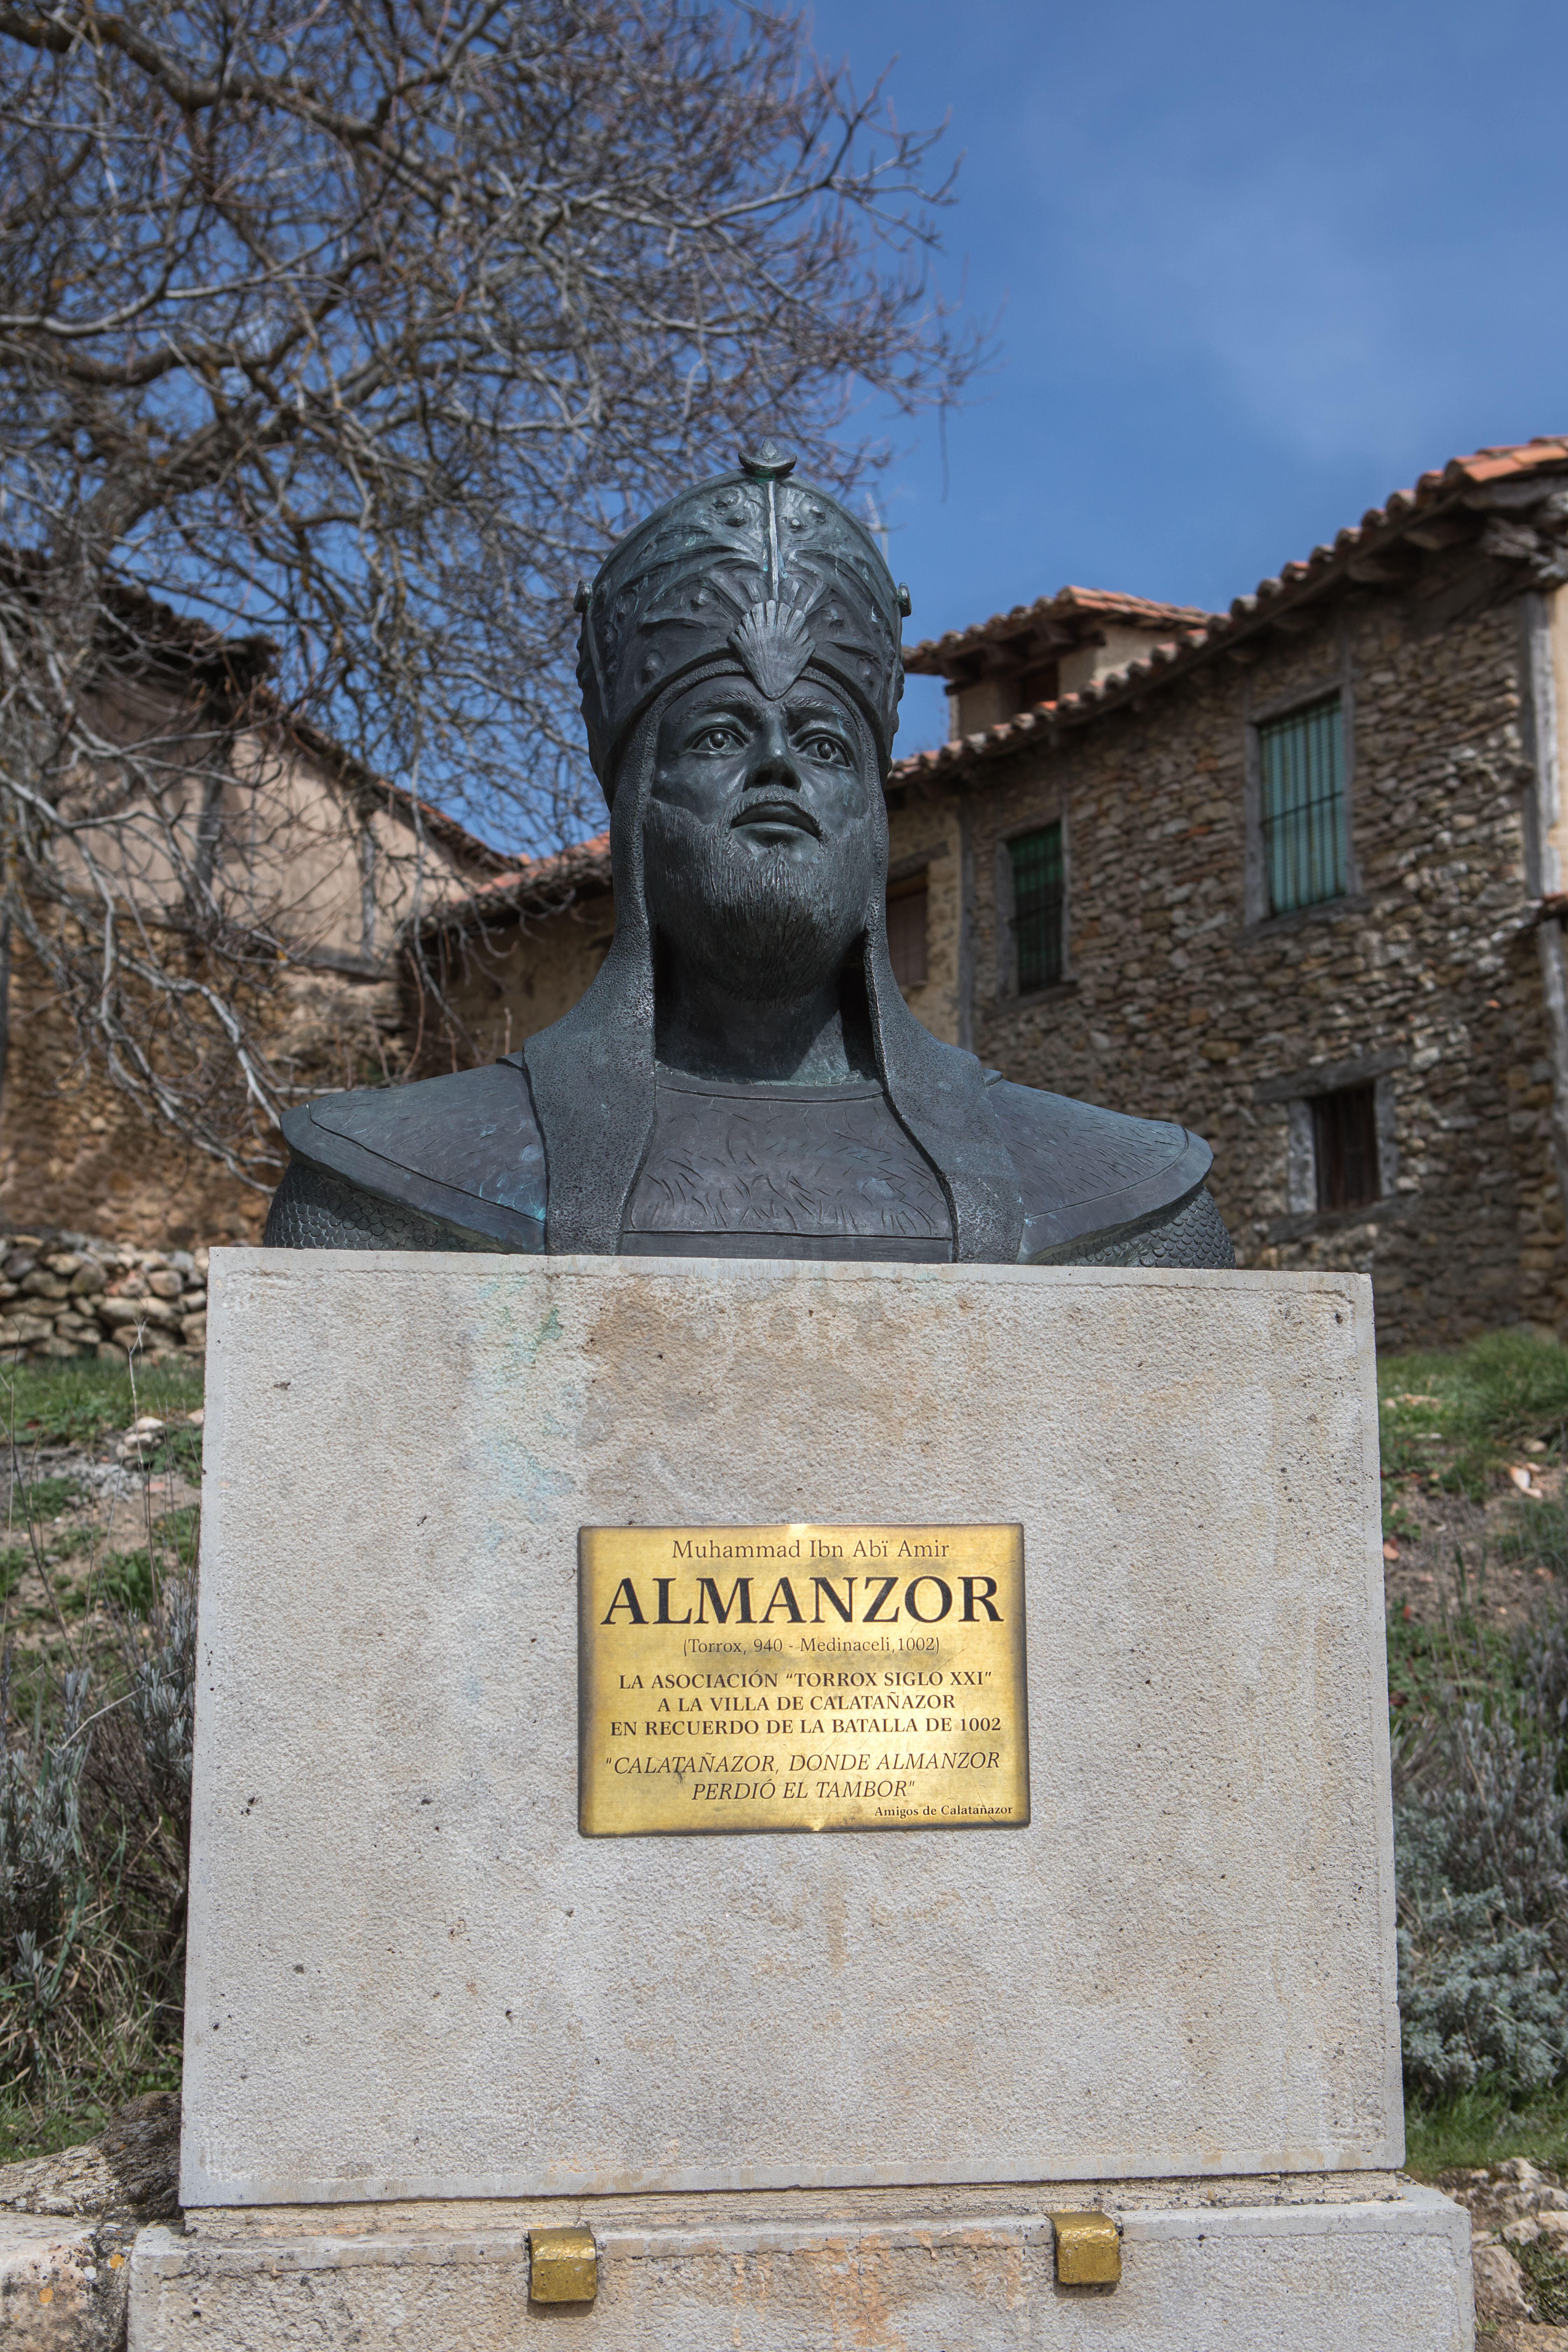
1087	1174
468	1151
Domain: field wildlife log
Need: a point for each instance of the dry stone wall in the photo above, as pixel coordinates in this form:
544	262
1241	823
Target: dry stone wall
68	1294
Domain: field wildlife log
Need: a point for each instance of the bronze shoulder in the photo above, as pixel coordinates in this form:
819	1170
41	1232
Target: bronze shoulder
1088	1176
464	1149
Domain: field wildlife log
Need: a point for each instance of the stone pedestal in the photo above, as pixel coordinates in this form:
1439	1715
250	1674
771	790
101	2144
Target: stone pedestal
413	1983
1321	2268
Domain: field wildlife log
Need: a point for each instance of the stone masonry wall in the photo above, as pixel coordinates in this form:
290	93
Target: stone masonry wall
925	832
510	980
76	1150
1176	1006
1178	1002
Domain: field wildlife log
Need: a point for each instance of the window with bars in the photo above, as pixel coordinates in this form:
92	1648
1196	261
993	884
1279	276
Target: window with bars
1344	1147
907	904
1038	907
1301	763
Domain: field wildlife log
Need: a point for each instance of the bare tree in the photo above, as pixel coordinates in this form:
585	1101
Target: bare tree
335	345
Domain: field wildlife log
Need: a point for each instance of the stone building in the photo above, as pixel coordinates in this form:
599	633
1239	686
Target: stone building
1292	874
300	844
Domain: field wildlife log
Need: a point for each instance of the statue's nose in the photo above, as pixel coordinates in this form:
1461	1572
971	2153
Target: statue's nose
773	761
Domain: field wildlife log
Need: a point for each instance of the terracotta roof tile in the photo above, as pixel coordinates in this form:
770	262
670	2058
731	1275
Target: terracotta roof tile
544	884
1297	582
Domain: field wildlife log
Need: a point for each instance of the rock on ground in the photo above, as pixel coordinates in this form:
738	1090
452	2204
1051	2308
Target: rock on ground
1511	2205
67	2223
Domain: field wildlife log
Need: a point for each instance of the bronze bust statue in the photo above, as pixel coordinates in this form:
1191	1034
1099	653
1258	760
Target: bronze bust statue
743	1078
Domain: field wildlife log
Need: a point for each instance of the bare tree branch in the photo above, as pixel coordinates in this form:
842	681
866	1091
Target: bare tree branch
337	343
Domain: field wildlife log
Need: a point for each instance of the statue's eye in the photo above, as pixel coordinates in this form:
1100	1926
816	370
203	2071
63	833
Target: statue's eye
828	749
717	738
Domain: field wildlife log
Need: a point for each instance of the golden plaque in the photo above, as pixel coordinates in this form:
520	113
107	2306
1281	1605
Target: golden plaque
800	1678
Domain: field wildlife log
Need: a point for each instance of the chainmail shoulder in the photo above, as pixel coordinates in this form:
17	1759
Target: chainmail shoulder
313	1210
1191	1234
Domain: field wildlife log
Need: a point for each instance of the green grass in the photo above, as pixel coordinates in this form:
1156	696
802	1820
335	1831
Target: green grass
1455	1422
46	1498
84	1404
1480	2126
1461	1657
1457	1419
69	2063
23	2135
78	2113
1536	1531
132	1578
75	1404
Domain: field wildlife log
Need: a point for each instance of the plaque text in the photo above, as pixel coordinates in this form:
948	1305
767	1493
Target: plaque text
801	1678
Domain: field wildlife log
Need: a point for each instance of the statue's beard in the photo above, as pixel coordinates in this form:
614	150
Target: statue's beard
765	926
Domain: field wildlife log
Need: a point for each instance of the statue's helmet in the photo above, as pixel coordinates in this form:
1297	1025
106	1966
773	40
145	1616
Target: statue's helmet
753	567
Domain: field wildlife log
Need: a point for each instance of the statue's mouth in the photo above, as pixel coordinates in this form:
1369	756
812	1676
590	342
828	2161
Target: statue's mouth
777	811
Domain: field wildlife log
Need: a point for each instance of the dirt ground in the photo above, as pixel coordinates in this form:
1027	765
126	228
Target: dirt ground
1422	1574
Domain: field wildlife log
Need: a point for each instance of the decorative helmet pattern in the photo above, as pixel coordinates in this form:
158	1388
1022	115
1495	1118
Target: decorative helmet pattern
773	573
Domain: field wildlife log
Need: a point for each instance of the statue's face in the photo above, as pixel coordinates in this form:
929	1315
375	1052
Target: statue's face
787	776
764	837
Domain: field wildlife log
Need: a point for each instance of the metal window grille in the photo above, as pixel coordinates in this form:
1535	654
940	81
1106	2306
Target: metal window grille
1302	759
1038	907
1344	1147
907	905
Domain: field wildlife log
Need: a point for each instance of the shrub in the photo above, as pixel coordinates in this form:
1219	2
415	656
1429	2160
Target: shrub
1479	1996
95	1772
1483	1883
1546	2268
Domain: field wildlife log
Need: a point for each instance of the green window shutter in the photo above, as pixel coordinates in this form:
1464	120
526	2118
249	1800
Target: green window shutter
1039	895
1302	760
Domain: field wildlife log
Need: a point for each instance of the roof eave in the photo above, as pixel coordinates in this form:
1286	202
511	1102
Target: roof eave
1480	490
546	885
1071	615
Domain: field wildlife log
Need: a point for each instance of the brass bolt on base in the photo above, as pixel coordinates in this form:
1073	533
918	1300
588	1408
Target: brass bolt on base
1089	2249
562	2266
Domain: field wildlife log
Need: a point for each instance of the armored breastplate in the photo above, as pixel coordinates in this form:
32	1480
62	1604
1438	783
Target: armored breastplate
739	1172
764	1170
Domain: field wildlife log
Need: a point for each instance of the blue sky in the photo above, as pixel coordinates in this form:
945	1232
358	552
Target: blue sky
1255	266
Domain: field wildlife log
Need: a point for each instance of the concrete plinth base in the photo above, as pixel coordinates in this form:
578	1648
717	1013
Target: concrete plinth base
1349	2272
411	1976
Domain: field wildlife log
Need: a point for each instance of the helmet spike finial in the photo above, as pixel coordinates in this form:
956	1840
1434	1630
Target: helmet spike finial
767	462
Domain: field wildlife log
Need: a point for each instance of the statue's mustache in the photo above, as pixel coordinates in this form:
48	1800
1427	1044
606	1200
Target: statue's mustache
776	808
